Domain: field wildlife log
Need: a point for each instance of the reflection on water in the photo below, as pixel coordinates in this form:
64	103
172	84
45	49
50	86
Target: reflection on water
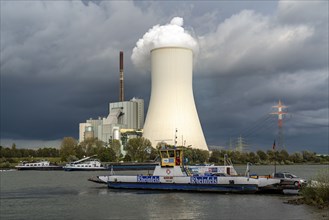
171	206
68	195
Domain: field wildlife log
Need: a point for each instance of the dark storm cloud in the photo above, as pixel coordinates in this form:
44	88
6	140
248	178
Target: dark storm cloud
59	67
242	106
59	64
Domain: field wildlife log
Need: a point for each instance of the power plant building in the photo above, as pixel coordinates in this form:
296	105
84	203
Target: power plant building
127	116
122	115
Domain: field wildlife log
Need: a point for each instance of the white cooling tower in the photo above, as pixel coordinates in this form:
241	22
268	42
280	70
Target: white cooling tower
172	104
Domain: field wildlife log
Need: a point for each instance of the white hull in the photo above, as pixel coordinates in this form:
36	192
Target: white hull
42	165
175	179
85	164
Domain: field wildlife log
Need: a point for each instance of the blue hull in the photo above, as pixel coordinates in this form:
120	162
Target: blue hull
40	168
132	167
224	188
82	169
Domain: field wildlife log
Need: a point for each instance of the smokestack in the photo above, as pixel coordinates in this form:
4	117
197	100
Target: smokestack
121	95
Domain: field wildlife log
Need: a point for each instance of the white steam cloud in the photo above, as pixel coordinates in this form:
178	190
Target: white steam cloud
172	34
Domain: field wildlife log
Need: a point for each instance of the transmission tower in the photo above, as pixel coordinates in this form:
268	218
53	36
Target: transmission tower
240	144
230	144
280	112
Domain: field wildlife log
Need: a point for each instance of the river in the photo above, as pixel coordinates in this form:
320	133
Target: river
50	195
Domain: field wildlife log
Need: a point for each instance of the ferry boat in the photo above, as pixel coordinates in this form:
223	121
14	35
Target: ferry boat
41	165
171	174
85	164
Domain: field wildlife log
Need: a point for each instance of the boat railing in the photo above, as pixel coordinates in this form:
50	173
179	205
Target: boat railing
187	171
227	161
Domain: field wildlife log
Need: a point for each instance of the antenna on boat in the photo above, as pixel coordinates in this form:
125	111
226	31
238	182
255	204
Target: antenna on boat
248	169
176	137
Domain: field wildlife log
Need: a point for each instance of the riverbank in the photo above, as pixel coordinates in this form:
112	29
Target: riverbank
302	201
316	193
10	163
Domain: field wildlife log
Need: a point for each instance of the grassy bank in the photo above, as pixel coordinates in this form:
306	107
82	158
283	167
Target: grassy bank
316	193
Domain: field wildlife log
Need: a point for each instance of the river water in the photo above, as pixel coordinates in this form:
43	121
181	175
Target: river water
50	195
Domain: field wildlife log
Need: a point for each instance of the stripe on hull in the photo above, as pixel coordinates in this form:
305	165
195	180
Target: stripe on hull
233	188
39	168
82	169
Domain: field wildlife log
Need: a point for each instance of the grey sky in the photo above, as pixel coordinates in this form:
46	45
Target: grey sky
59	67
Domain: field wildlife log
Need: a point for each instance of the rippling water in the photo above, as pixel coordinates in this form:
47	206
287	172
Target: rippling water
68	195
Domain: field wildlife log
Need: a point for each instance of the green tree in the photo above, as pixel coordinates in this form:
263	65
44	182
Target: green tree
236	157
202	156
107	155
284	155
67	148
308	156
139	149
14	151
253	158
195	156
271	155
80	151
215	157
153	154
244	157
262	155
91	146
296	157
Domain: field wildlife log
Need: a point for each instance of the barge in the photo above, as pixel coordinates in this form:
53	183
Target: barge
85	164
41	165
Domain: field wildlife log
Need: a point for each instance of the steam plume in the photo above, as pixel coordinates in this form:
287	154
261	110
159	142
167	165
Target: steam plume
172	34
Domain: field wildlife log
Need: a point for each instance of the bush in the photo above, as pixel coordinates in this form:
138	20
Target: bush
317	191
6	165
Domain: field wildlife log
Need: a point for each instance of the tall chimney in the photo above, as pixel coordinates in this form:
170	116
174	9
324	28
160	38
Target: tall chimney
121	95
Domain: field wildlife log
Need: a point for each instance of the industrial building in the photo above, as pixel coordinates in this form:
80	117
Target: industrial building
125	118
122	115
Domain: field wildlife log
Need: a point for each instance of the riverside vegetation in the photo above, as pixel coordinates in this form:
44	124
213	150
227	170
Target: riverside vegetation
316	193
140	150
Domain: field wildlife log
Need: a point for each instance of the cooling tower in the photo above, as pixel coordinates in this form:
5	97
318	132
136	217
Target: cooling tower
172	109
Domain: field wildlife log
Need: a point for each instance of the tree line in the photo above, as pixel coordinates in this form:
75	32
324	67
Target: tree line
267	157
137	150
140	150
7	152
